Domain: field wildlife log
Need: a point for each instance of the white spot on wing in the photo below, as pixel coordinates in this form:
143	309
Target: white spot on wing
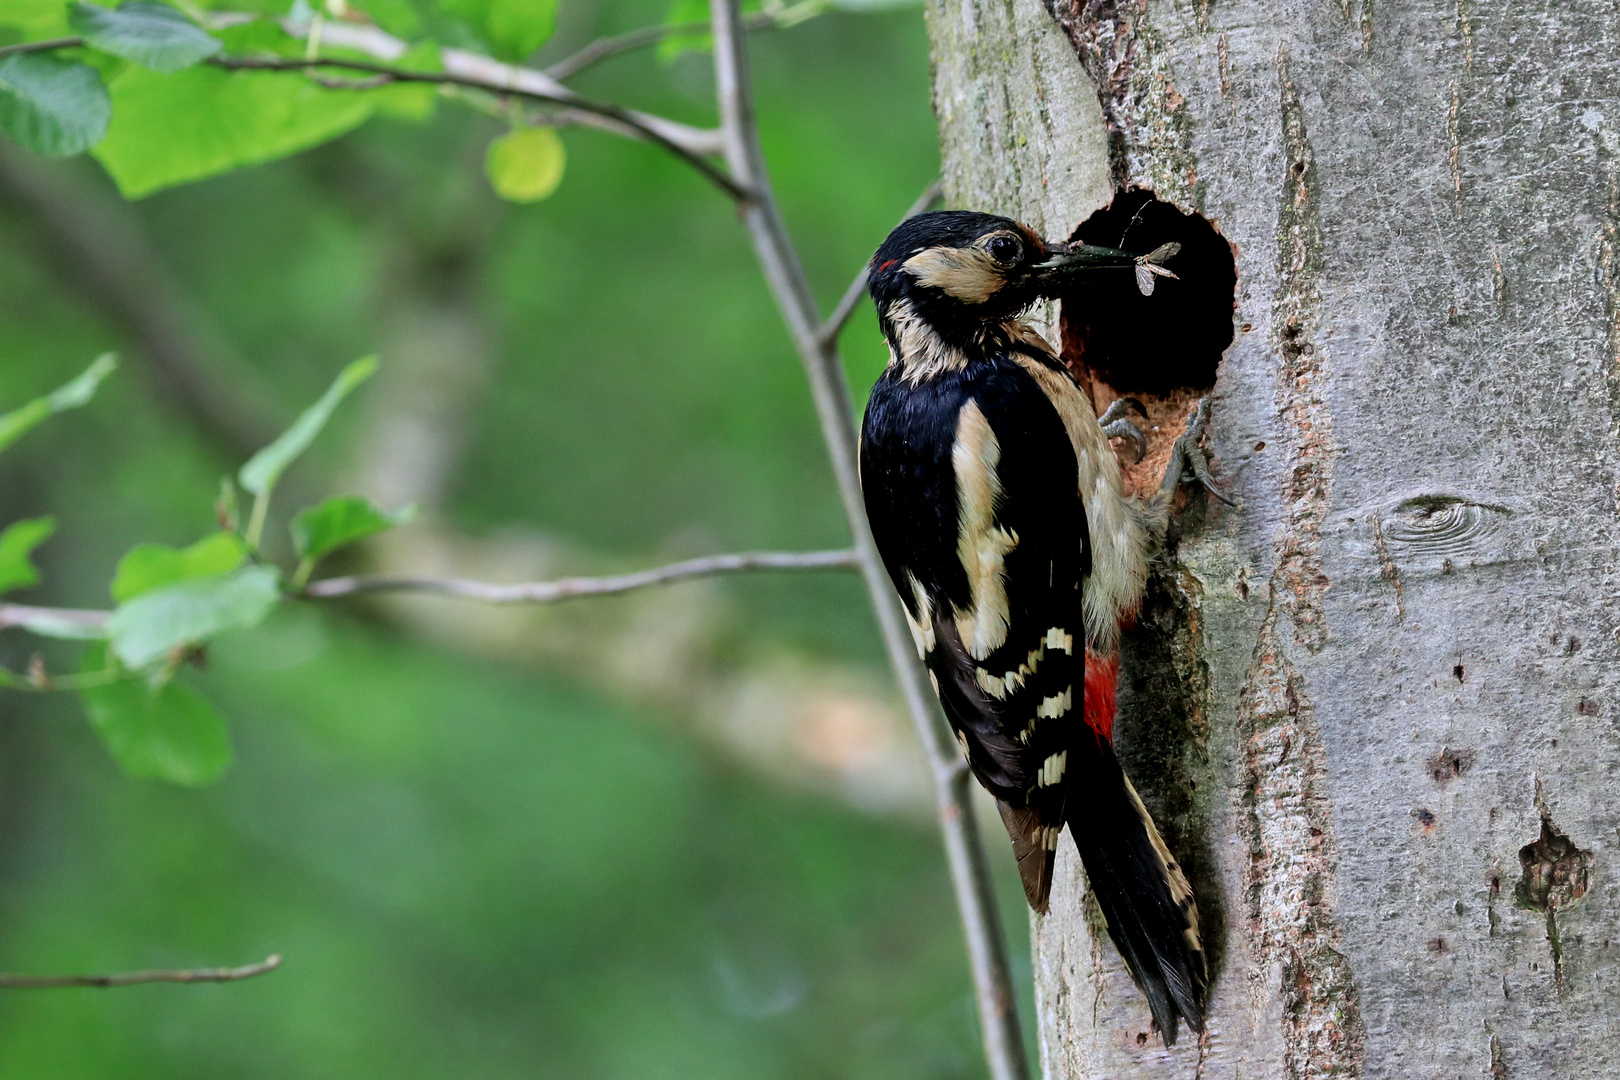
1053	707
1052	769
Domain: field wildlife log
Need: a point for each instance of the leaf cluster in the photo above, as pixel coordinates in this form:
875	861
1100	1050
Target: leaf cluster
171	602
148	88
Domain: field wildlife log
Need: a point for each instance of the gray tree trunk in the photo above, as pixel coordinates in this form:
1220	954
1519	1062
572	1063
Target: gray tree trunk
1376	707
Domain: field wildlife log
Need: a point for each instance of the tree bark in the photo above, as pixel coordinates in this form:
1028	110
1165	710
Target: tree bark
1374	707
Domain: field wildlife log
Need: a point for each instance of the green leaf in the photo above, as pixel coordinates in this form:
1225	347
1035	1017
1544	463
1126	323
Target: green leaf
36	19
155	623
517	28
260	37
402	18
262	471
71	395
685	13
16	544
156	730
172	129
152	34
526	164
52	106
320	530
150	565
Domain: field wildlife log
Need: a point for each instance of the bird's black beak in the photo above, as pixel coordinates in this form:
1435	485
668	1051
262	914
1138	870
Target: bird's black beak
1066	259
1066	262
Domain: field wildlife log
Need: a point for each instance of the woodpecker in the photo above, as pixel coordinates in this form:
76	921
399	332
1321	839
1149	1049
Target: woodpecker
998	508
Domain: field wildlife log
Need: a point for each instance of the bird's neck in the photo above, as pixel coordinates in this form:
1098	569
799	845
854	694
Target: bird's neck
924	349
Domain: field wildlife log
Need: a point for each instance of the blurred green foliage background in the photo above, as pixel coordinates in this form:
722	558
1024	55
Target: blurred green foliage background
477	866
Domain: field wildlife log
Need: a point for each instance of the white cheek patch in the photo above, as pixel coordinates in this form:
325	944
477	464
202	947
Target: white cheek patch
967	274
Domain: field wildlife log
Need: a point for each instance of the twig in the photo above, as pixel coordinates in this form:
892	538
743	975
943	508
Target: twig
561	96
24	615
603	48
133	978
530	592
352	84
779	262
857	288
549	592
41	46
497	77
478	72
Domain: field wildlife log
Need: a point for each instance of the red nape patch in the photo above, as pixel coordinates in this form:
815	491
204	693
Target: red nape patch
1102	679
886	264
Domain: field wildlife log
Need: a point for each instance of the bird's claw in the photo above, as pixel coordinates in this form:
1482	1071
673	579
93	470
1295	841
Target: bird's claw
1119	407
1116	426
1189	461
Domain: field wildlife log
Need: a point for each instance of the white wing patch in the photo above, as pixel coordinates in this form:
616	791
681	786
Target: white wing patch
981	544
1058	638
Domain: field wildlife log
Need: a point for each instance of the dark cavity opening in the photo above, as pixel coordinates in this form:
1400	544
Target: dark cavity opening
1155	344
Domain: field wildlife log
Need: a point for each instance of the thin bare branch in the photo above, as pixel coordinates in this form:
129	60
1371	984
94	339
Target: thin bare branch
134	978
497	77
603	48
561	96
490	74
88	622
857	288
352	84
549	592
784	273
40	46
85	619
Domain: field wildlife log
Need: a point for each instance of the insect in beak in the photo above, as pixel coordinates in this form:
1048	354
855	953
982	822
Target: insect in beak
1069	259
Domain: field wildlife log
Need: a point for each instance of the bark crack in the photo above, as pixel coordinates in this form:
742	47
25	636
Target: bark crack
1286	812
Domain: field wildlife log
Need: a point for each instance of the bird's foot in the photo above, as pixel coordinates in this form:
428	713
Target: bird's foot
1189	461
1116	426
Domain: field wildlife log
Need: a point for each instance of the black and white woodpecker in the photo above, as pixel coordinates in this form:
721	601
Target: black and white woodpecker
998	507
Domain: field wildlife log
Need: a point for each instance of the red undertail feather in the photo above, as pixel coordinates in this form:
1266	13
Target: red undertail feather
1102	681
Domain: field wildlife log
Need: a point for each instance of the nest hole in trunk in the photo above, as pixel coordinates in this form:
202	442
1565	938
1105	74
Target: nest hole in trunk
1163	349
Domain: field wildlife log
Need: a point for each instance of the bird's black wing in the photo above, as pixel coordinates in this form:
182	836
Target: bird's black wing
970	482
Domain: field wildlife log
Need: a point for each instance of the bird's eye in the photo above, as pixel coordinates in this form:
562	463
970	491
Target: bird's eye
1005	249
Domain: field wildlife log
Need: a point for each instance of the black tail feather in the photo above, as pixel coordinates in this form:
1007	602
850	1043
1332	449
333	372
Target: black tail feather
1142	893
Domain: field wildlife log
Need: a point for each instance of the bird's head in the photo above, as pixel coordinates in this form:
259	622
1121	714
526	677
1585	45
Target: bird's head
960	272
